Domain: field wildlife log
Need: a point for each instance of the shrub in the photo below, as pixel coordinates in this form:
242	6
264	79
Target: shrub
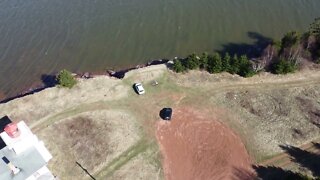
177	66
283	66
245	67
203	61
277	44
214	63
226	62
192	62
234	65
66	79
314	28
290	39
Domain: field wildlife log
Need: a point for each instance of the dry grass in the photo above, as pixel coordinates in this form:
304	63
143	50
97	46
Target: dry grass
54	100
92	139
266	110
142	165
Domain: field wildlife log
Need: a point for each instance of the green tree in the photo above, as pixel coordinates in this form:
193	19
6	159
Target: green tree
226	62
203	61
66	79
283	66
245	67
234	65
314	28
277	44
290	39
215	63
192	62
177	66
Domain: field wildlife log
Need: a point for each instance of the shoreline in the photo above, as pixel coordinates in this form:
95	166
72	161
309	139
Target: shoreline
49	81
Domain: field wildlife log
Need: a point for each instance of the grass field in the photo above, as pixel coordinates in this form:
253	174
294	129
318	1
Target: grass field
108	129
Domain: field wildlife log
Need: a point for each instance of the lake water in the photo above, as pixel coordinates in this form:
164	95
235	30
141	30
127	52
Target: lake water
43	36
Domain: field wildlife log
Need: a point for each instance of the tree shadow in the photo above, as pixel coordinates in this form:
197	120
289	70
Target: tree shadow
252	50
306	159
275	173
49	80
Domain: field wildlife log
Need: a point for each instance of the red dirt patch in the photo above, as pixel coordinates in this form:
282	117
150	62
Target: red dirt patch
196	146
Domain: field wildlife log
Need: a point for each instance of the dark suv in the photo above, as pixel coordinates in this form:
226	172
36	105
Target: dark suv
166	113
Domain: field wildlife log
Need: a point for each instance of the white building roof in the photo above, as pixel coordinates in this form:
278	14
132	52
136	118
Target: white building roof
27	153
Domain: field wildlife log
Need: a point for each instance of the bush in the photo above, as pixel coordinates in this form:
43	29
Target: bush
234	65
314	28
178	67
214	63
245	67
226	62
192	62
283	66
290	39
203	61
277	44
66	79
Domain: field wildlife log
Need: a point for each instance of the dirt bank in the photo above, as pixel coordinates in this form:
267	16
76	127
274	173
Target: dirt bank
197	146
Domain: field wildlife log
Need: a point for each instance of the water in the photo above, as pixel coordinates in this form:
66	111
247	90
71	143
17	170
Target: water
43	36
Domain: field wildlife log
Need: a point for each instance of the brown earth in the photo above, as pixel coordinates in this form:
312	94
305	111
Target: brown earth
197	146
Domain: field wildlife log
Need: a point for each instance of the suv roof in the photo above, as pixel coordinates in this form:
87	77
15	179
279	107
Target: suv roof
166	113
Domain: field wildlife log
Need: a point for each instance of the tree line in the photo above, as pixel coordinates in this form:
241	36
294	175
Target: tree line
280	57
216	64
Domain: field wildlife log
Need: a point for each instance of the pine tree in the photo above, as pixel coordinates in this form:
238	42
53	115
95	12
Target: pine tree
226	62
215	63
283	66
177	66
204	61
245	67
234	69
192	62
66	79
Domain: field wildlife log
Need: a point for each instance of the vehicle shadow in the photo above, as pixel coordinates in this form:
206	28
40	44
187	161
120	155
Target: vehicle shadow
134	89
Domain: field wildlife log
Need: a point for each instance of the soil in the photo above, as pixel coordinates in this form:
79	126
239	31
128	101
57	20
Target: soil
197	146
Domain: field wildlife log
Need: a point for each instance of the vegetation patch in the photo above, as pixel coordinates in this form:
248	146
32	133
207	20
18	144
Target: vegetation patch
216	64
66	79
280	57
